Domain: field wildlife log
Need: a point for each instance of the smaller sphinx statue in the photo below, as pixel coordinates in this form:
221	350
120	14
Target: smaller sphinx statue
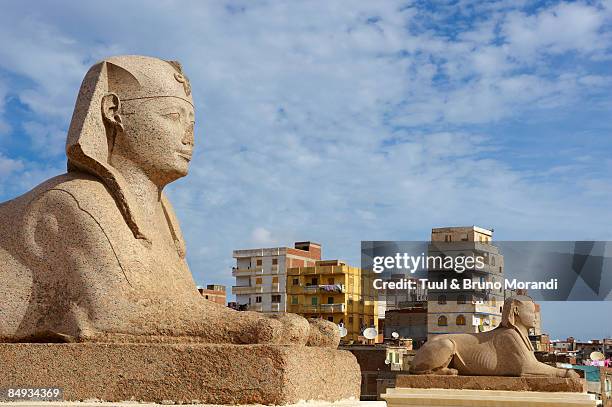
503	351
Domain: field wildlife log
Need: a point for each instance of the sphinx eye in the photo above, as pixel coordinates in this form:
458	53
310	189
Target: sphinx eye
173	115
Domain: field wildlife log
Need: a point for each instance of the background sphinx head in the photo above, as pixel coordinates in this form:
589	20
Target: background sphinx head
519	312
132	109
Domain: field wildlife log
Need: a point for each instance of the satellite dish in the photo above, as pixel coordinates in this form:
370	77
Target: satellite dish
343	331
395	335
387	362
597	356
370	333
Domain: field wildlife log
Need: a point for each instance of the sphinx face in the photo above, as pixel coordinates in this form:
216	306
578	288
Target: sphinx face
157	136
527	314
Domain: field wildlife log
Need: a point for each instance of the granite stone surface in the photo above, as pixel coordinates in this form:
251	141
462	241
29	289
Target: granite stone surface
183	373
540	384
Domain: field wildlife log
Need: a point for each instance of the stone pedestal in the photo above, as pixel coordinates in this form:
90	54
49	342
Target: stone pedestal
488	391
183	373
401	397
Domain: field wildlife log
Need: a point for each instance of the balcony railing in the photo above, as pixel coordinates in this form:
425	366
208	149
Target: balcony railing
255	307
323	308
241	271
327	288
239	289
333	307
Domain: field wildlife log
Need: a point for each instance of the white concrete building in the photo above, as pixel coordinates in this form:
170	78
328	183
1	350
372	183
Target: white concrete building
261	274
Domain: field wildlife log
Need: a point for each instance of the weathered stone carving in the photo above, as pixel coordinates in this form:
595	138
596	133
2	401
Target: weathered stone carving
503	351
96	254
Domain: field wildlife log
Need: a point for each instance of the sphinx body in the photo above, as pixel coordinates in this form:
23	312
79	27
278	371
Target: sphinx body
504	351
85	257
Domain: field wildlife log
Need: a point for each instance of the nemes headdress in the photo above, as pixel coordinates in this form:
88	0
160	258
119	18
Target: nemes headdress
130	77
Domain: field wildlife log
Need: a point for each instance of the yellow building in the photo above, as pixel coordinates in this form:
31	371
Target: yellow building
336	292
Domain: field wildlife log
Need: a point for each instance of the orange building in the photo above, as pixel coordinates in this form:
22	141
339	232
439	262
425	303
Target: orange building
215	293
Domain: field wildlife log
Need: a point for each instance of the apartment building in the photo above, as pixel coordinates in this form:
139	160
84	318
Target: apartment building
471	310
261	274
214	292
335	291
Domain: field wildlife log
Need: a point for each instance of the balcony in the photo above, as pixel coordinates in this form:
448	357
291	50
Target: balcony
245	272
255	307
239	289
332	308
310	308
320	270
324	288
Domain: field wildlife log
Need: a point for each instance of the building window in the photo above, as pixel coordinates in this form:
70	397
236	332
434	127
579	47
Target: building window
330	300
461	299
259	262
351	320
296	281
258	299
460	320
314	281
492	260
314	300
330	319
275	261
441	299
294	300
350	301
442	321
258	281
330	281
276	298
274	280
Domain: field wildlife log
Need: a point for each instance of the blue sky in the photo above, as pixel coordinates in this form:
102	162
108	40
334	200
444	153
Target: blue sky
346	121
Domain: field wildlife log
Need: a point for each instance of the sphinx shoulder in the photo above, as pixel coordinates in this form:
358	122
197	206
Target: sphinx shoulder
72	205
510	340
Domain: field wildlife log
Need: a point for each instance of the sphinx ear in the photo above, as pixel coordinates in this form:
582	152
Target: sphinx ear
111	106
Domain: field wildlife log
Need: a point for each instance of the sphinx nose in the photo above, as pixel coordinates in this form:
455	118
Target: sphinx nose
188	138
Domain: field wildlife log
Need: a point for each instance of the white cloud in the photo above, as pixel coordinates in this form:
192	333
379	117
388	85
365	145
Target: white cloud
8	166
46	140
560	28
262	237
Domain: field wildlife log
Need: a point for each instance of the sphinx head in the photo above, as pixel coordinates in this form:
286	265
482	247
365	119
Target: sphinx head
132	113
149	117
519	312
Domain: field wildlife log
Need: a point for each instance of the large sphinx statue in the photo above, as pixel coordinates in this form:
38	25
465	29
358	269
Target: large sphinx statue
96	254
503	351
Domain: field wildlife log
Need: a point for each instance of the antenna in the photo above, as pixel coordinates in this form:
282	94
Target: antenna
370	333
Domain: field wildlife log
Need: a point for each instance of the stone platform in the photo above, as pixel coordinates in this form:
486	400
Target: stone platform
183	373
488	391
400	397
541	384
